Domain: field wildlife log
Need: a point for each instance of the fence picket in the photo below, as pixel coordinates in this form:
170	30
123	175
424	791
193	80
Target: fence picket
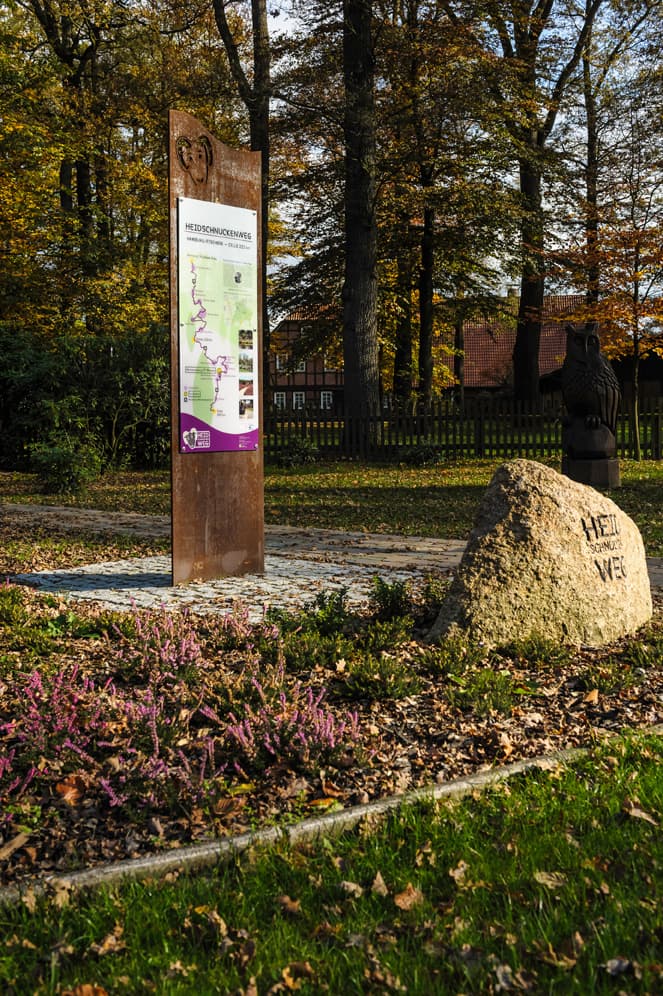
483	428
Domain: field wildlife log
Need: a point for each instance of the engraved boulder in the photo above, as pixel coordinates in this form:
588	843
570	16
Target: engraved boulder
547	557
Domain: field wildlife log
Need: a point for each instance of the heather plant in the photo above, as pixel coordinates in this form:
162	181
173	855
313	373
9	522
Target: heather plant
166	777
453	656
378	676
296	729
59	713
390	600
163	646
304	651
610	676
13	785
483	691
13	610
430	599
645	652
387	635
329	613
538	650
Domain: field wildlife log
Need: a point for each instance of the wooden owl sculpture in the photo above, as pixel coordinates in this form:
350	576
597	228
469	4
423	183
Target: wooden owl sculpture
591	395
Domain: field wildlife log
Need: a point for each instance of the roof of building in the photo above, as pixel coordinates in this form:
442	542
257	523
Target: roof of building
489	344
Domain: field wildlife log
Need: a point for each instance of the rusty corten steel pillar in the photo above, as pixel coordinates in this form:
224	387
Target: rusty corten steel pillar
217	496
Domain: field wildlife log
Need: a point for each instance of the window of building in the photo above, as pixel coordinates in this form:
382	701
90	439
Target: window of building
281	361
279	400
326	401
298	399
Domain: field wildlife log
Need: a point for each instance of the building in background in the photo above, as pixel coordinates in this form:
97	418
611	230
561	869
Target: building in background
306	374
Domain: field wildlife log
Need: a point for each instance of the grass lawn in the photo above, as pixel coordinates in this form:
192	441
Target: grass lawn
550	883
425	501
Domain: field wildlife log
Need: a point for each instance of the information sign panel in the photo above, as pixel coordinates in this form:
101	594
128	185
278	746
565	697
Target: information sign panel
218	324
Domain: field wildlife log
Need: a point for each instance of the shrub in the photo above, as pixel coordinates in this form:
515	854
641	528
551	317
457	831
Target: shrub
295	728
483	691
299	451
424	455
538	650
64	467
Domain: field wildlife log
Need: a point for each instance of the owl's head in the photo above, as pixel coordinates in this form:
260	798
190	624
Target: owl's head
582	341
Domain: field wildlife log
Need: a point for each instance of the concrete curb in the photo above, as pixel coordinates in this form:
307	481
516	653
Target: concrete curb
208	854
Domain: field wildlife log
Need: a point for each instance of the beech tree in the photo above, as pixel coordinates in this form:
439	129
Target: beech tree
626	250
254	88
83	152
537	47
360	284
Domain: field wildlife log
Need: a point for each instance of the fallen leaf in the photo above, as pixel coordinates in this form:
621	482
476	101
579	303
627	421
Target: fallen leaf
247	952
72	789
556	958
408	898
295	974
29	899
111	944
631	809
592	697
177	968
329	788
459	873
61	893
291	907
352	889
379	886
13	845
85	989
551	880
327	803
617	966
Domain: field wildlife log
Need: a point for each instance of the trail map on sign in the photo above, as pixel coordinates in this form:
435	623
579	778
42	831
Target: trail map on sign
218	322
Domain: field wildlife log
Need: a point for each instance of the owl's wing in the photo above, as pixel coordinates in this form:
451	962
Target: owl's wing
610	394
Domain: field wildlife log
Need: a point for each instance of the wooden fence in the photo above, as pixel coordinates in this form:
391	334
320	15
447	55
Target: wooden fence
483	428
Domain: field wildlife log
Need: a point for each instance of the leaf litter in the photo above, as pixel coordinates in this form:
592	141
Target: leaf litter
67	810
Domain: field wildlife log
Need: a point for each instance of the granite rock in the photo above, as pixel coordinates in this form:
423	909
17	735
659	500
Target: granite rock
547	557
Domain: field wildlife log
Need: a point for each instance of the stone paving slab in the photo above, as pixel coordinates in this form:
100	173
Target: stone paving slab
299	563
288	583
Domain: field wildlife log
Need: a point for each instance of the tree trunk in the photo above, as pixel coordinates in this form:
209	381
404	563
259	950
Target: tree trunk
637	448
459	359
260	142
426	306
360	343
591	186
256	97
528	331
403	351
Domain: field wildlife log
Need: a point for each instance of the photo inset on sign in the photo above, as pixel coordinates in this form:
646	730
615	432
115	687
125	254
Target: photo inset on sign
246	408
245	361
245	338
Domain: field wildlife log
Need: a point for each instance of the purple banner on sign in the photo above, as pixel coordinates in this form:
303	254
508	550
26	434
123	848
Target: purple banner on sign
197	436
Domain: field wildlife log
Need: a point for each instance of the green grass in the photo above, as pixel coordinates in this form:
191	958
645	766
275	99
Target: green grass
428	501
550	883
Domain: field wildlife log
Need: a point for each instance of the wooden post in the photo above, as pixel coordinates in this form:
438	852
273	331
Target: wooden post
216	355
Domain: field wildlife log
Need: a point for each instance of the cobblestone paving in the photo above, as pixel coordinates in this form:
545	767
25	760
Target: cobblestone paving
299	563
287	583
